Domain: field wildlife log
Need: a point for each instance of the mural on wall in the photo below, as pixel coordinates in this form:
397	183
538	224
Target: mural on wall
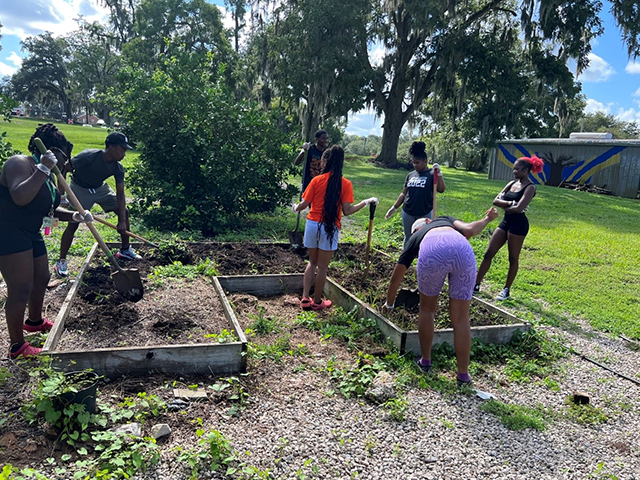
562	168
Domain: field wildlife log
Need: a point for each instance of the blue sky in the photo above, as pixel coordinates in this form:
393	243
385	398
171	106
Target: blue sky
611	83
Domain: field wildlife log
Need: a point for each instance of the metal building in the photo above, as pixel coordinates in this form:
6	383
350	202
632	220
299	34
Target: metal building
606	163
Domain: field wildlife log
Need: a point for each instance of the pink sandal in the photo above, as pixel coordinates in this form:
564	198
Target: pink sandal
45	326
26	351
321	306
305	303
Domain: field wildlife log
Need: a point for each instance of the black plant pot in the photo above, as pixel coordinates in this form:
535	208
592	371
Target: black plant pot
86	394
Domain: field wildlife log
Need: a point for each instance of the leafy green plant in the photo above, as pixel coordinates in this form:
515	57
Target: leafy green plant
517	417
356	380
189	175
47	403
396	408
262	324
346	327
225	336
121	455
278	349
584	414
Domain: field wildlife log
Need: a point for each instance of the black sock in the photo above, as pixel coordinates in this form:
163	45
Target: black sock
15	347
34	323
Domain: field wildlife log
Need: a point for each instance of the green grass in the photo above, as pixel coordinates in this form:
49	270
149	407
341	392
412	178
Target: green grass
581	259
517	417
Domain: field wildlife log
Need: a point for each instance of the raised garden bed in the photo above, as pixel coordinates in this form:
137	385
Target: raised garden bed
175	328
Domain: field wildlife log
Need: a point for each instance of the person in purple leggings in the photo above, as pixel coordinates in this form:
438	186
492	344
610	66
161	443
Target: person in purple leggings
445	251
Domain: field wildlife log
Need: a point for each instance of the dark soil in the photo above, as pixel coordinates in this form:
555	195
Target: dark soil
170	313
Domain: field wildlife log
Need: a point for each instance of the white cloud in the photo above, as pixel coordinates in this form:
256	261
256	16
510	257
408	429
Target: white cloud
599	70
6	69
637	93
633	68
628	115
596	106
32	17
364	123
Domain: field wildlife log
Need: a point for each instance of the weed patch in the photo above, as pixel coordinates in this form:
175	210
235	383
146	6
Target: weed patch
517	417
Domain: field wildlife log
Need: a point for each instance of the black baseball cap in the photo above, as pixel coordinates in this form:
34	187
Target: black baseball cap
118	138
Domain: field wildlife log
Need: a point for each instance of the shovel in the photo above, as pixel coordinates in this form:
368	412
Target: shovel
127	232
128	281
296	238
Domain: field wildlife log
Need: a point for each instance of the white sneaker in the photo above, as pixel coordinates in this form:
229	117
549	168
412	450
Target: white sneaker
128	254
503	295
61	268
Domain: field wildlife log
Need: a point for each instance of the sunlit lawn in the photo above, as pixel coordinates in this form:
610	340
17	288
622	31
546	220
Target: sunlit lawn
581	258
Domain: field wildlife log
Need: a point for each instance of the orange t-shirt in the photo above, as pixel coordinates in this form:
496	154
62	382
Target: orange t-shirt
315	192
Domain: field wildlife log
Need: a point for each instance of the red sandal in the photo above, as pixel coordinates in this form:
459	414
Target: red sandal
321	306
26	351
45	326
305	303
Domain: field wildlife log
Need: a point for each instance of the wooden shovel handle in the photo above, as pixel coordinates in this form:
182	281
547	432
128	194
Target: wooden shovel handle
127	232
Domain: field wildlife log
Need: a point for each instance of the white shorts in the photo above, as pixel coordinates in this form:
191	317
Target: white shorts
316	237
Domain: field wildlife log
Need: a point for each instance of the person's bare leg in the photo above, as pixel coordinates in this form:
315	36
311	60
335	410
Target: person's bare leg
459	314
309	272
67	239
124	238
324	257
426	322
498	239
41	278
514	245
17	271
397	276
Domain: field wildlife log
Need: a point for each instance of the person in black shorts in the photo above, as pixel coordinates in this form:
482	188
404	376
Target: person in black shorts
29	199
514	199
90	170
416	197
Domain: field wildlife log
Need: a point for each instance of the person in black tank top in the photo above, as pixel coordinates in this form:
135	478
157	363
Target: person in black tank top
27	195
514	199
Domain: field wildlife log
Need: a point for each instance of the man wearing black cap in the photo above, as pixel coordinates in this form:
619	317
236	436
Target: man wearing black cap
90	170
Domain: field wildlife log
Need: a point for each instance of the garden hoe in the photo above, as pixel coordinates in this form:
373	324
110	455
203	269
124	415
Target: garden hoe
296	238
127	281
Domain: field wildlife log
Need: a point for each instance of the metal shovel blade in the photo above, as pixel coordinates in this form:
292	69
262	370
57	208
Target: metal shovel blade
129	284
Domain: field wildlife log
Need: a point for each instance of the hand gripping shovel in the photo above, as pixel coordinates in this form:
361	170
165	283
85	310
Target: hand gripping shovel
296	238
128	281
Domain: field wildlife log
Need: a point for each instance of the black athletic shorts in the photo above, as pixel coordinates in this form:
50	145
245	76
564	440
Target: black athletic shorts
15	240
515	223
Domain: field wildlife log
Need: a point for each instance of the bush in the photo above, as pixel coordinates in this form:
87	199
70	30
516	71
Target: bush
206	160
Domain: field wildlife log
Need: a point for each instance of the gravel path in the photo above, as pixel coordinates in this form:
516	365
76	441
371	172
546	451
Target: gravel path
295	430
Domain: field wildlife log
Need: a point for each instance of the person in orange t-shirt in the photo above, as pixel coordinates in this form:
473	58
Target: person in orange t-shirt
330	195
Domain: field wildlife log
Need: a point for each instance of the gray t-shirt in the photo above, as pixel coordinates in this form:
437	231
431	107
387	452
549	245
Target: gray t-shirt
90	169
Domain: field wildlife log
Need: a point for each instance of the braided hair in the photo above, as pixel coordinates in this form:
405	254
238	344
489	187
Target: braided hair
334	160
52	138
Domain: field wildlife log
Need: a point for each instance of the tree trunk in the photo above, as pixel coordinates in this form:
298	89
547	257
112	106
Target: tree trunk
392	128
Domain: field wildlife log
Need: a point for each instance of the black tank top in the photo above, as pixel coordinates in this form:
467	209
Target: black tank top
28	217
515	196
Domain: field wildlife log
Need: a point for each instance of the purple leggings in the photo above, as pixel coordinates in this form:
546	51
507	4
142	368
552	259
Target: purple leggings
445	251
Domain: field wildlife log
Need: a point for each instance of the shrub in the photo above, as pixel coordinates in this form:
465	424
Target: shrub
206	161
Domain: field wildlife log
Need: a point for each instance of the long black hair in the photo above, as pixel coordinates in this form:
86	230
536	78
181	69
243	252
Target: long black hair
52	138
334	158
